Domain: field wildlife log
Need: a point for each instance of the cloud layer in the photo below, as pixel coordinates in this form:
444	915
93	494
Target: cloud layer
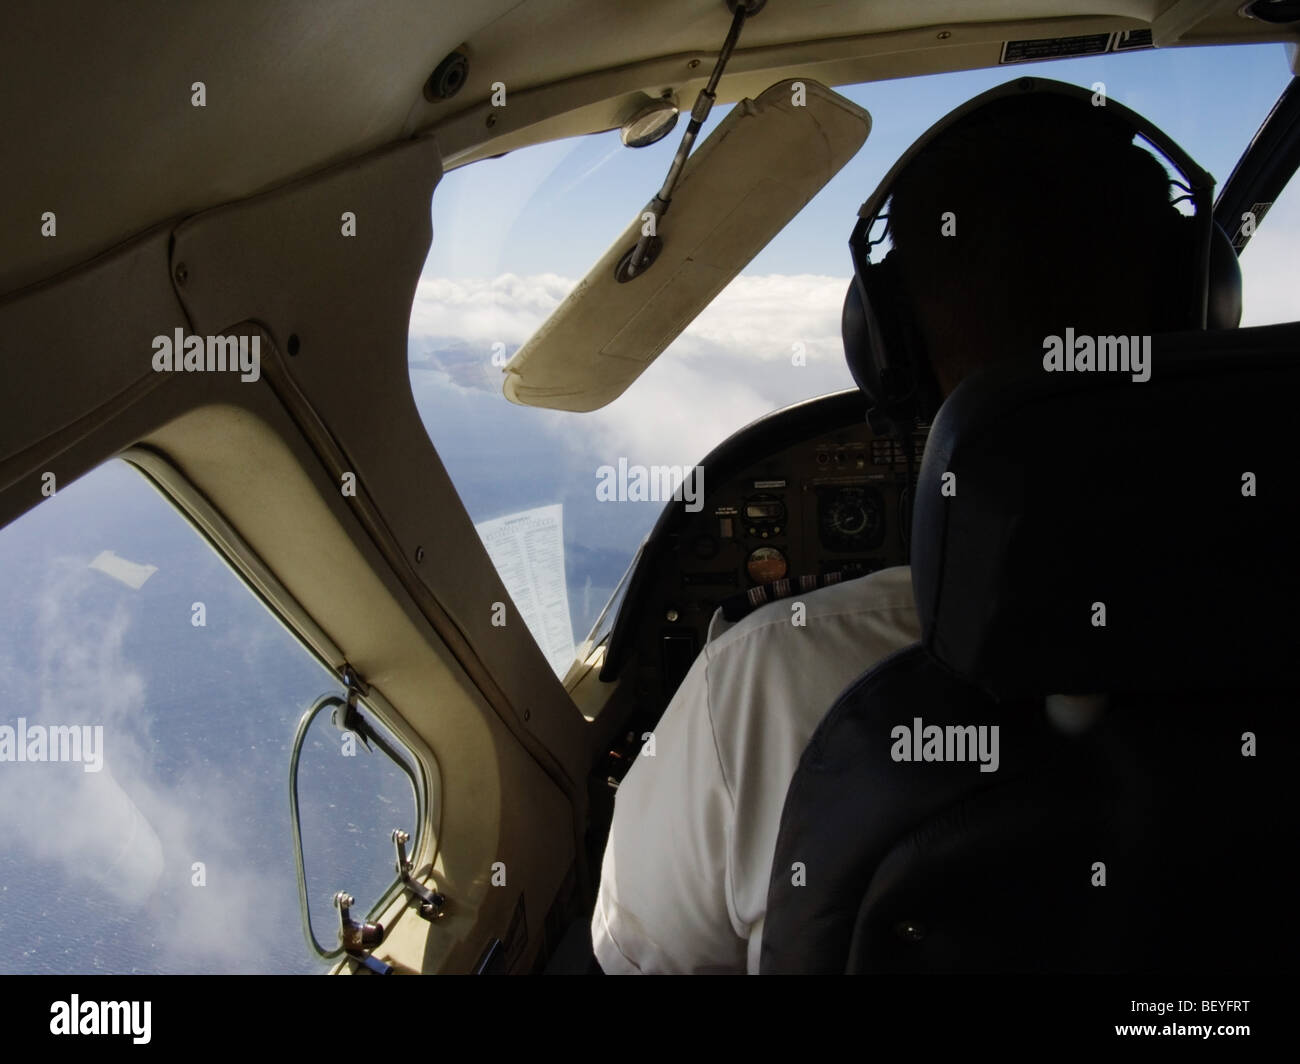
763	343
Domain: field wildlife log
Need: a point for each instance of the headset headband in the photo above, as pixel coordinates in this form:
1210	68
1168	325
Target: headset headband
1198	182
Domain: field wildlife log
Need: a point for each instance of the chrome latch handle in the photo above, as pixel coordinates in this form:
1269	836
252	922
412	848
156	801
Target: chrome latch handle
431	903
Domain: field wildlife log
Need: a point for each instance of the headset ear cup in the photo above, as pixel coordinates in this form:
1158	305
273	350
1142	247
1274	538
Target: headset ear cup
869	327
908	385
1182	284
857	344
890	315
884	350
885	316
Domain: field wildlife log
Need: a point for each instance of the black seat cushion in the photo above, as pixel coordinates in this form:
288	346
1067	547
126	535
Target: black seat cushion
937	866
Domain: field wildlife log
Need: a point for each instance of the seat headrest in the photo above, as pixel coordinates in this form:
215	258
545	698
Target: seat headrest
1081	531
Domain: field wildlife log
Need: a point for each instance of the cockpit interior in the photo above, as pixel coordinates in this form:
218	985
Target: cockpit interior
411	411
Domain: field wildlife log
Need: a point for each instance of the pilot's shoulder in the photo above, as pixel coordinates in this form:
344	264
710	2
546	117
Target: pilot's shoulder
885	595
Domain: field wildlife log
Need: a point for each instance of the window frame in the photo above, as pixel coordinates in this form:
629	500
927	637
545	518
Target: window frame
243	562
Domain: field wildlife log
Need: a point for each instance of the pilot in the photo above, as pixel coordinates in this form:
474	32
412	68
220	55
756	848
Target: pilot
1029	213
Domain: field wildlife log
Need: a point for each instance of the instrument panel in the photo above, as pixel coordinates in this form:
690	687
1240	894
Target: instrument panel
825	506
806	494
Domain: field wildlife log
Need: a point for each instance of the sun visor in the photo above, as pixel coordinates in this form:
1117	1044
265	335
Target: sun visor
738	189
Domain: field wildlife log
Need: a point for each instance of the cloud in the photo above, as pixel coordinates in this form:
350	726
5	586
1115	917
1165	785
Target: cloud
763	343
132	574
733	363
763	317
506	308
87	821
126	836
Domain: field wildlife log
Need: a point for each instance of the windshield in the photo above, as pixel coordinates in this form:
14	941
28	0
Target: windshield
514	235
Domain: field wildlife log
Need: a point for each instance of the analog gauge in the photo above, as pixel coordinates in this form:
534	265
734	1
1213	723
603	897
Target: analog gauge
765	565
847	516
850	519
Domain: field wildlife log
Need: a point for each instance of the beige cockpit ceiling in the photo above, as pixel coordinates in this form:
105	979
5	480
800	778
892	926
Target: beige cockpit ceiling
100	127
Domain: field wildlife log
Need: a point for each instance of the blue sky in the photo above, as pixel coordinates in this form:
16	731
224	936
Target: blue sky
554	208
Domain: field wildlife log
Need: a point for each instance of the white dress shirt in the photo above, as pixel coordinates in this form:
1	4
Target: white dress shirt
684	882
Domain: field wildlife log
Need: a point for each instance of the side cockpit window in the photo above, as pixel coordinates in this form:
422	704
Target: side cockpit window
1268	262
150	707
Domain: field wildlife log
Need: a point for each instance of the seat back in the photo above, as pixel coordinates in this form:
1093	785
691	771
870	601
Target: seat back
1136	816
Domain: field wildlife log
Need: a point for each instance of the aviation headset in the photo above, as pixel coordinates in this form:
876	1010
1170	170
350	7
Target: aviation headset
883	346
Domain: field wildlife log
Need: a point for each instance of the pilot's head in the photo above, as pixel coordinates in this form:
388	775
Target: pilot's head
1057	218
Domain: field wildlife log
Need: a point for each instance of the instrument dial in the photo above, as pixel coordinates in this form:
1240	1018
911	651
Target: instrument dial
765	565
763	516
851	518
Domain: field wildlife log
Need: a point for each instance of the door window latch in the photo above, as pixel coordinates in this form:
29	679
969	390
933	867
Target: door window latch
359	938
432	904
